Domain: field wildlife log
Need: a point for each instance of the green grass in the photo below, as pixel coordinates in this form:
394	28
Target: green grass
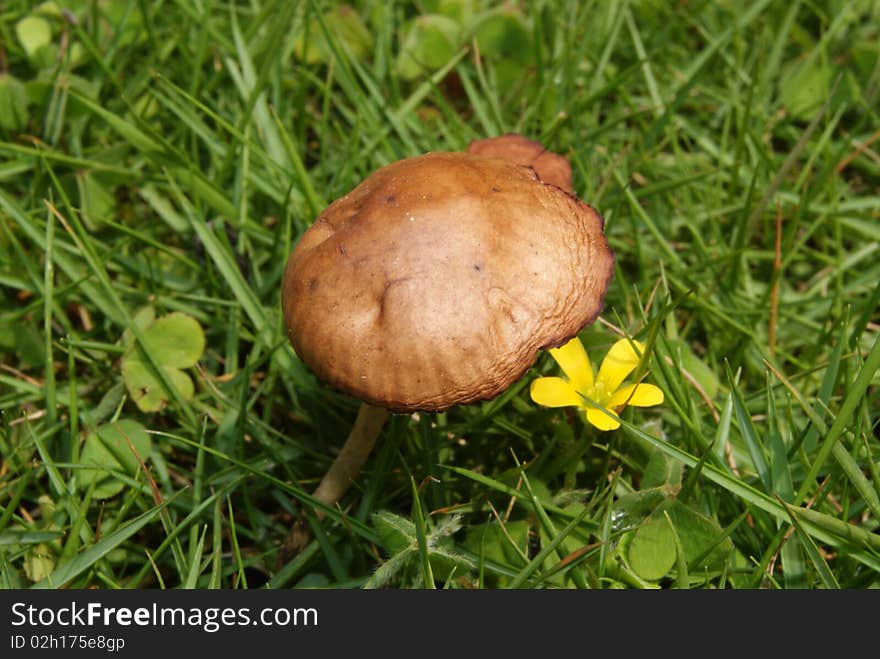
168	155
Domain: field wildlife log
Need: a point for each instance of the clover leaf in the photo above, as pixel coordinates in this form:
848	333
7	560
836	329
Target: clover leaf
112	448
177	342
651	548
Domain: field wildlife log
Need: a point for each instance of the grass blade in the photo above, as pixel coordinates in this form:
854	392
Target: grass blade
825	573
86	560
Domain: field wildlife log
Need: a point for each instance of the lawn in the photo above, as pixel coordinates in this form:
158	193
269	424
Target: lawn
159	160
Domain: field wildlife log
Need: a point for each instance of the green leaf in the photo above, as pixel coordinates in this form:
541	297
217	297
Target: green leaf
651	550
39	562
143	318
503	32
701	537
177	341
697	542
346	25
146	390
29	346
631	509
389	569
506	543
865	53
429	42
660	471
805	87
96	203
395	532
107	450
13	104
460	11
33	33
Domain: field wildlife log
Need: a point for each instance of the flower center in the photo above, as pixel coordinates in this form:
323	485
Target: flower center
597	393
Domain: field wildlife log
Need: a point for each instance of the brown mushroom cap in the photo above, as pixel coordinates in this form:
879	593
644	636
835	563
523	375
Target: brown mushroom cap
437	280
550	167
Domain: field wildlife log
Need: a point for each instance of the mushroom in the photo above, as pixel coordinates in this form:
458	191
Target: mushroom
437	281
550	167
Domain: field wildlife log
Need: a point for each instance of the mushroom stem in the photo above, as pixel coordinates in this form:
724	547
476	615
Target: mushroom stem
342	472
353	454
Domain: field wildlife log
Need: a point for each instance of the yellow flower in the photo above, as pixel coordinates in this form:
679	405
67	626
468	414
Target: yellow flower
591	392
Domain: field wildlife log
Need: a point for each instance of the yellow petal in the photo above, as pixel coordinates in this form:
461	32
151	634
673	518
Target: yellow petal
618	363
554	392
574	362
601	419
640	395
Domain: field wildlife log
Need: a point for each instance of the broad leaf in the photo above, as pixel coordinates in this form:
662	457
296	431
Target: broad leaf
107	450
